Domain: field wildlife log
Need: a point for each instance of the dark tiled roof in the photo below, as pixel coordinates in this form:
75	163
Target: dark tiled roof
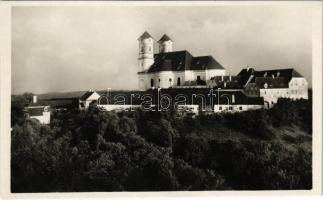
145	35
86	95
225	78
205	62
57	102
244	76
278	82
164	38
251	75
220	80
182	60
40	102
35	111
171	61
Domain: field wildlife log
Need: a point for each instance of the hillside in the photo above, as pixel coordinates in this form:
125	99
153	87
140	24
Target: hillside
95	150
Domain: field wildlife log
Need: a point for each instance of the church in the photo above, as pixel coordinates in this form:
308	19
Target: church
169	68
187	83
180	69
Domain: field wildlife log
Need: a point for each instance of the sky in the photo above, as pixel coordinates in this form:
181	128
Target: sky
60	49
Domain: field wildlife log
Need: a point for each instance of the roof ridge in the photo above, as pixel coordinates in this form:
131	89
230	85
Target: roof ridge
164	38
203	56
145	35
290	68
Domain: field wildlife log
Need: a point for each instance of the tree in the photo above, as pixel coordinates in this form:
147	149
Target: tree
18	104
96	150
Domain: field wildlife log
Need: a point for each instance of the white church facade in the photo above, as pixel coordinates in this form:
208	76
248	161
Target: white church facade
169	68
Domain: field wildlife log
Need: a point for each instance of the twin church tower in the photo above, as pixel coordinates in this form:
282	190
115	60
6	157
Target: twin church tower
169	68
146	49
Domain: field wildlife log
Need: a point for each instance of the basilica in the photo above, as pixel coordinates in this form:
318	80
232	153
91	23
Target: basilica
180	69
169	68
190	84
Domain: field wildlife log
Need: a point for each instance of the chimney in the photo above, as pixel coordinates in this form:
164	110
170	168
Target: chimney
278	73
230	78
222	78
225	84
34	99
273	75
233	99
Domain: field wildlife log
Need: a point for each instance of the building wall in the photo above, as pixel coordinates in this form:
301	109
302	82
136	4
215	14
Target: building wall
142	81
94	97
162	79
43	119
166	46
235	108
188	109
118	107
271	95
298	88
191	75
146	54
252	90
214	72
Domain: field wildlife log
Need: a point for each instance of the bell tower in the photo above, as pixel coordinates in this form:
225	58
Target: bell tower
146	52
165	44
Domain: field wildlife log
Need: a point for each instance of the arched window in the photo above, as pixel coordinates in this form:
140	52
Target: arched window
178	81
151	82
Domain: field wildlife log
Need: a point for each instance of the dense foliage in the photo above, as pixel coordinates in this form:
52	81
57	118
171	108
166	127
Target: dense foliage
95	150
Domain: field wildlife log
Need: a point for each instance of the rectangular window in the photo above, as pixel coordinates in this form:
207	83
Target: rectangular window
220	108
240	108
230	108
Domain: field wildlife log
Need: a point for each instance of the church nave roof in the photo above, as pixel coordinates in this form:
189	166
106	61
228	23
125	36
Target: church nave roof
181	61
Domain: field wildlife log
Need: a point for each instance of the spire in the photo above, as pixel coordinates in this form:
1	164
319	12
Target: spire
164	38
145	35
